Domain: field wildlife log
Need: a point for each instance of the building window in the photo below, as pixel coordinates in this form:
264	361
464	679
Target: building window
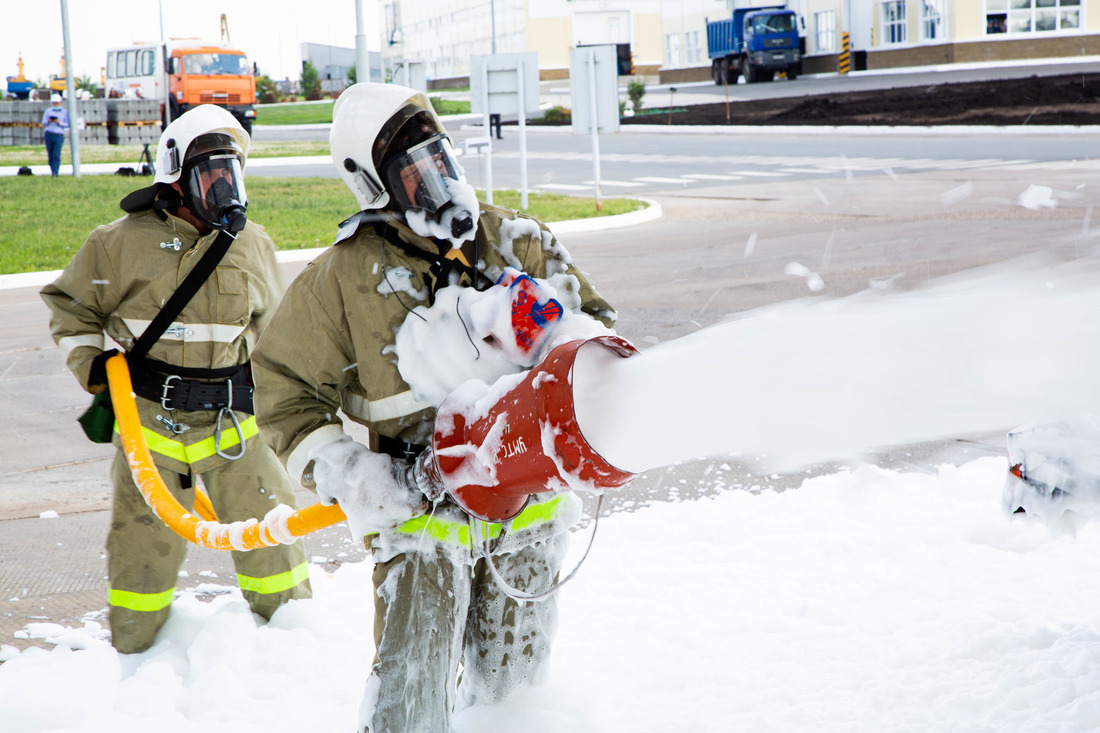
893	21
931	25
672	49
825	31
1032	16
692	49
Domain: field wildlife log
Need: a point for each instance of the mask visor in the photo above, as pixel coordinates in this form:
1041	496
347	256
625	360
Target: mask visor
216	192
417	179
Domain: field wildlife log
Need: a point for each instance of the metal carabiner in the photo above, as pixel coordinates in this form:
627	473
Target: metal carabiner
236	426
171	426
164	392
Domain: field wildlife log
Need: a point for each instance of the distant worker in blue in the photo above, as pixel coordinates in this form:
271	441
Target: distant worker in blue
55	120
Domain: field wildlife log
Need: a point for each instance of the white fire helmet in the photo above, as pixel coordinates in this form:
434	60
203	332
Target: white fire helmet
172	150
365	120
204	151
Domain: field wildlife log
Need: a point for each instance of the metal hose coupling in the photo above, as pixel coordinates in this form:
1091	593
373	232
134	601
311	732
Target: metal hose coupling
425	473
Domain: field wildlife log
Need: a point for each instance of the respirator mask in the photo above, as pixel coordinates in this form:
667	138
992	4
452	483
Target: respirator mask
427	183
215	190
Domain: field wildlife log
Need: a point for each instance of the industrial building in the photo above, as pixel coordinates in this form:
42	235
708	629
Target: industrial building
667	38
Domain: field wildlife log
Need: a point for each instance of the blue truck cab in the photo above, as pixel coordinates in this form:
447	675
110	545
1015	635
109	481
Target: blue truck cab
754	43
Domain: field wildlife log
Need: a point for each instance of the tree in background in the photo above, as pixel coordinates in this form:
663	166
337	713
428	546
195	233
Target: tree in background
353	76
85	84
266	91
310	81
636	91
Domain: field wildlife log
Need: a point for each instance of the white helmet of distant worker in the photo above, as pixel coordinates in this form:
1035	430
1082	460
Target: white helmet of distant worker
203	151
391	150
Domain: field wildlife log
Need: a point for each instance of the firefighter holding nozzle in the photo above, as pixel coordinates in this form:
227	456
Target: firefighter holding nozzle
190	373
421	245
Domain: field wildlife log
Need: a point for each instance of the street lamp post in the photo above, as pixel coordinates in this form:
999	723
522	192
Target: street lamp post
70	87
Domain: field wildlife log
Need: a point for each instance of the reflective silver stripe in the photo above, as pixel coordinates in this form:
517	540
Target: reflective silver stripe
69	343
189	331
387	408
298	459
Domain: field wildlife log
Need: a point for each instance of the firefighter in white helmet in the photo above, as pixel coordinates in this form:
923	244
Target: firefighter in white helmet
330	347
196	375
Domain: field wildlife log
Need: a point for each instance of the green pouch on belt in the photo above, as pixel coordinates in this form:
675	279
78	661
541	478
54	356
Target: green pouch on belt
98	420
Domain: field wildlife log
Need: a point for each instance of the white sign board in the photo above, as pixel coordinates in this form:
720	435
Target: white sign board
410	73
501	72
594	83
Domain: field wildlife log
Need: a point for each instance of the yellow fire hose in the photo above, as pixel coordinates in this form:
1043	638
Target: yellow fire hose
249	535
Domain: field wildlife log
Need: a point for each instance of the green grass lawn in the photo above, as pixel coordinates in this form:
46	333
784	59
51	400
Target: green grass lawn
313	113
45	220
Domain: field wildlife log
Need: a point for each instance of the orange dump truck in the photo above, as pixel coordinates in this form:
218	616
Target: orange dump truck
191	72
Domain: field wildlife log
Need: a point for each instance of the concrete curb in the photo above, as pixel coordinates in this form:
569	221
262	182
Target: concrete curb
651	212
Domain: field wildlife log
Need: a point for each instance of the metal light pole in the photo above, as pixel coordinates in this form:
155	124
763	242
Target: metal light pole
70	87
493	22
362	55
166	80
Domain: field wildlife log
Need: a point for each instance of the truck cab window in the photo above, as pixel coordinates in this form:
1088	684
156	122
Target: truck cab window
213	64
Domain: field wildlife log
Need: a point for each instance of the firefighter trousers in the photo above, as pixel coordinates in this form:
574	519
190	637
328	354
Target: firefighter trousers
144	556
431	614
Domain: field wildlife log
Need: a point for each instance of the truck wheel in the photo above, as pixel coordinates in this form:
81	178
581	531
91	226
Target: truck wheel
731	72
792	74
716	71
246	123
173	108
748	71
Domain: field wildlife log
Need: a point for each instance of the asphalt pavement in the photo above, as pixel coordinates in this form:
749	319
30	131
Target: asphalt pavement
667	277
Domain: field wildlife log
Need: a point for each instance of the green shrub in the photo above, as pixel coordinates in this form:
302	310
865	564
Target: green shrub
310	81
557	112
636	91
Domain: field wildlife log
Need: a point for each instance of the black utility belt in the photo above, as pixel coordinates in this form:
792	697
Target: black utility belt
193	390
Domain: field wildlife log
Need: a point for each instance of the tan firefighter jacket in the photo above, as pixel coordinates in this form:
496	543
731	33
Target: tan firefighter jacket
330	344
118	281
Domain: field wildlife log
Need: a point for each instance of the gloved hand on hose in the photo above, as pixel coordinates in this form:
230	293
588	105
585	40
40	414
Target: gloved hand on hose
97	372
375	491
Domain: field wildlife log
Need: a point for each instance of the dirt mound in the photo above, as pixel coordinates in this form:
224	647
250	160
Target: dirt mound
1053	100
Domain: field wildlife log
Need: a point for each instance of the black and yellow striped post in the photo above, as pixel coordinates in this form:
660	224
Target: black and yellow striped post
845	53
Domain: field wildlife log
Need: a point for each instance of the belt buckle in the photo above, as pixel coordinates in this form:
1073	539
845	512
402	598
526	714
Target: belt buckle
164	392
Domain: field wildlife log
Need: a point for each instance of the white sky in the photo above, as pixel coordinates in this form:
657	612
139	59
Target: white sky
269	32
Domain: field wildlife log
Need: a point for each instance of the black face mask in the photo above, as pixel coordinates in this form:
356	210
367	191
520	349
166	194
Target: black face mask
223	204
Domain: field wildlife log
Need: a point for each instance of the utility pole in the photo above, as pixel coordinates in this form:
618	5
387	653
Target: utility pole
167	92
493	22
70	88
362	55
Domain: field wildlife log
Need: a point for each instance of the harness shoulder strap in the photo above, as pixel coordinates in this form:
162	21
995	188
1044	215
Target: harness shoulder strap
183	295
440	265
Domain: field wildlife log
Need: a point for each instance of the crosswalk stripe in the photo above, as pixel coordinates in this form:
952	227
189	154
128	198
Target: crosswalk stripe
709	177
656	179
604	182
565	186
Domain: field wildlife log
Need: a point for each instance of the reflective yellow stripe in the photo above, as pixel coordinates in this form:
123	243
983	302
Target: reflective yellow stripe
456	533
274	583
191	454
536	514
140	601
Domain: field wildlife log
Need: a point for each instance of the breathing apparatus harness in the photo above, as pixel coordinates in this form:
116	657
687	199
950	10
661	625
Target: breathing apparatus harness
190	389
